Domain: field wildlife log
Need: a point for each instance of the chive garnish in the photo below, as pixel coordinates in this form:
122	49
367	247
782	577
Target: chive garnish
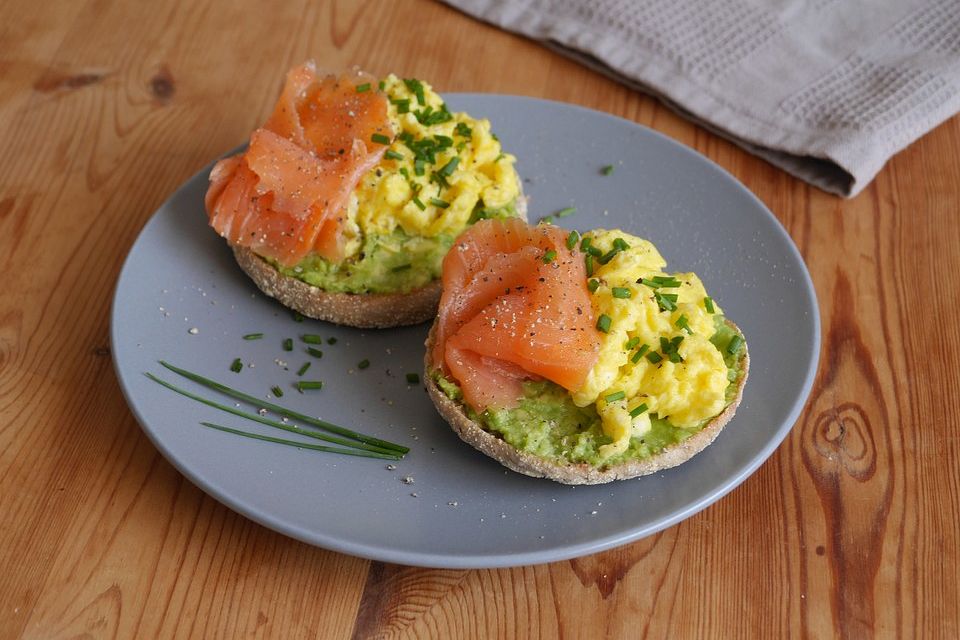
735	343
654	357
588	262
382	84
236	366
448	169
302	370
708	304
368	446
666	301
684	324
621	292
303	445
402	267
393	155
415	87
593	284
417	201
297	316
620	244
277	391
309	384
632	342
639	354
549	256
594	251
437	202
413	378
608	256
379	138
640	408
317	422
546	220
616	395
403	106
585	243
462	129
253	336
607	170
567	211
316	353
288	344
603	323
363	364
361	88
572	240
331	341
311	338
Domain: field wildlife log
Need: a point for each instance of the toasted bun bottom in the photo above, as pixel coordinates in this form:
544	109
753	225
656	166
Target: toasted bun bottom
570	473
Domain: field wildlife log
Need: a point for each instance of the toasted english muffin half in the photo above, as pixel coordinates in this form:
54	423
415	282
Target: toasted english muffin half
491	444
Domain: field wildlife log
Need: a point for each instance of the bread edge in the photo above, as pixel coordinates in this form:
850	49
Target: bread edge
574	474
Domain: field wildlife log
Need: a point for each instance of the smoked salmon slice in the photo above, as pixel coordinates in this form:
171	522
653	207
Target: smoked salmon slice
515	306
286	195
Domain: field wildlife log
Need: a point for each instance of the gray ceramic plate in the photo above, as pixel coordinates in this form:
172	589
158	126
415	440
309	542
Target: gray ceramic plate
468	510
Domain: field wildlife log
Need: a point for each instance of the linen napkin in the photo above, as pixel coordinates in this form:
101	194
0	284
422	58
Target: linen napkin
827	90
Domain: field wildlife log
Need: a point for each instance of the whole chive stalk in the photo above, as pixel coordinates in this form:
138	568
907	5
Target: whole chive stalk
316	353
236	366
360	453
317	422
311	338
302	370
363	364
273	423
303	385
288	344
253	336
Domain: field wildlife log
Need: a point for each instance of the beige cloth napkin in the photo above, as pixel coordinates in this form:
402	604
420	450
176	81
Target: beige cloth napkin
827	90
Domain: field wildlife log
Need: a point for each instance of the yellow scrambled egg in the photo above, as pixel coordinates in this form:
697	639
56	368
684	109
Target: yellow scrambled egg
657	350
460	166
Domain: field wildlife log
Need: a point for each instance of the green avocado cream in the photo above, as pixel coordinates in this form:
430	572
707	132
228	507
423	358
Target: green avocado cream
547	424
386	263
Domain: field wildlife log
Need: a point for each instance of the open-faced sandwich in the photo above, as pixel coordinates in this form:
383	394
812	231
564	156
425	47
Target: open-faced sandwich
579	359
346	200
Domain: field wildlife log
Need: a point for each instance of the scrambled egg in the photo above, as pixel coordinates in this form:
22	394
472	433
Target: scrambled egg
657	351
438	169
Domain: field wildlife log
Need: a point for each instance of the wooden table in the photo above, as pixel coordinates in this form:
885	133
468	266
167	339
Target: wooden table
851	528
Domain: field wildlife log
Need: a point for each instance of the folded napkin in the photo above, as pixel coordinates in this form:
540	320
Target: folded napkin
827	90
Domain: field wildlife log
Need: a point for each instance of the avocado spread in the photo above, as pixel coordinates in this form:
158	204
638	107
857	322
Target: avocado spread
546	422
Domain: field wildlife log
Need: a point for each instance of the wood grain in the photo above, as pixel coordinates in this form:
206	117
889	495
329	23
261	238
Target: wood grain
849	530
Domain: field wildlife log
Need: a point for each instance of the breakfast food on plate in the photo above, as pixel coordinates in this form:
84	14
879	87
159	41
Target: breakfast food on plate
579	359
346	200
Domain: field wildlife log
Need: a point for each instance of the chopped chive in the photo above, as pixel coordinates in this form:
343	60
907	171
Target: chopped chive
448	169
253	336
593	284
621	244
403	106
393	155
419	166
708	304
379	138
316	353
317	422
417	201
616	395
654	357
331	341
603	323
462	129
437	202
639	354
362	88
640	408
549	256
546	220
621	292
572	240
277	391
668	282
297	316
607	170
684	324
304	385
666	301
288	344
402	267
303	445
363	364
594	251
567	211
735	343
632	342
608	256
236	366
302	370
413	378
382	85
311	338
403	171
588	262
585	243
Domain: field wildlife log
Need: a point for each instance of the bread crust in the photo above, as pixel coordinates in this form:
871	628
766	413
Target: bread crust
528	464
362	310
